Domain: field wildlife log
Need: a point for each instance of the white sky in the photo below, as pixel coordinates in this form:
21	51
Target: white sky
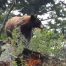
60	0
16	12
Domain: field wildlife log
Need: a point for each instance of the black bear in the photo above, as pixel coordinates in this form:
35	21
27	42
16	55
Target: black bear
26	23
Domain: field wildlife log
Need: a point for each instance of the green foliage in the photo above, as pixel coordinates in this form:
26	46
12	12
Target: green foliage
45	43
18	49
3	36
1	19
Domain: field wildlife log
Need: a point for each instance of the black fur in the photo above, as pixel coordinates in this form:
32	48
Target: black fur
26	29
9	33
18	61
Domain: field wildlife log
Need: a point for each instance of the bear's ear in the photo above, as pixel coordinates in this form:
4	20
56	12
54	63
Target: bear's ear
33	17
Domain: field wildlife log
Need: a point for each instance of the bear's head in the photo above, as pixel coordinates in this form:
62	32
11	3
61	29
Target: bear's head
35	22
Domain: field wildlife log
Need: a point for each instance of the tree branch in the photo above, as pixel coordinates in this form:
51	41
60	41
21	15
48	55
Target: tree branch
63	3
6	18
46	19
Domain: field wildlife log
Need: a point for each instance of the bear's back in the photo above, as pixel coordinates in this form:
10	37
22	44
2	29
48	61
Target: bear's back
12	22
